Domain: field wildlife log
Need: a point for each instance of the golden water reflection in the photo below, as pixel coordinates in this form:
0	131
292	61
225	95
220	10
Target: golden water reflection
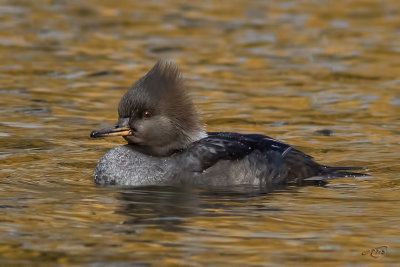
321	75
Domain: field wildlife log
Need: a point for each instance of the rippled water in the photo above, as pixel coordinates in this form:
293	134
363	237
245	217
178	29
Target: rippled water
321	75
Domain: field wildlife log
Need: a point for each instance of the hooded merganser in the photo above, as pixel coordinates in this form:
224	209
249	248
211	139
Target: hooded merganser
168	145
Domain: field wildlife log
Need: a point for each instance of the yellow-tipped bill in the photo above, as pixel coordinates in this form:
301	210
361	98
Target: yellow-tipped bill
114	130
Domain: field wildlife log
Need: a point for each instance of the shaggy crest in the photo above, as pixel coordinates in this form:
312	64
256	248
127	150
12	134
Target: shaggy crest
163	87
161	92
163	74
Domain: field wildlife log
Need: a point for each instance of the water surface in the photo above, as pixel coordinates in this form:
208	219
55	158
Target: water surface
321	75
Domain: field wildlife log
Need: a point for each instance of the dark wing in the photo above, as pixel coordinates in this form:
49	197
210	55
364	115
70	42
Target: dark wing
296	165
229	146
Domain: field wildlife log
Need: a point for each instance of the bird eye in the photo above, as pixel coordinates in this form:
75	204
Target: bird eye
146	114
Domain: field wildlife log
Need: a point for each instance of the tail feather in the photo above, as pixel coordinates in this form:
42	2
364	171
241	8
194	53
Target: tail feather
329	173
302	167
346	168
342	171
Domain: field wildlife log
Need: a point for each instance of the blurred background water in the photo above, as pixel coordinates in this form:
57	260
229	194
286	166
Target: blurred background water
321	75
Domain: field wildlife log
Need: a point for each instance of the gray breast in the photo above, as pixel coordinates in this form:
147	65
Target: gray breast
122	165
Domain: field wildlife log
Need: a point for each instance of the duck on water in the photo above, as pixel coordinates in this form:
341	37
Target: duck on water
167	144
